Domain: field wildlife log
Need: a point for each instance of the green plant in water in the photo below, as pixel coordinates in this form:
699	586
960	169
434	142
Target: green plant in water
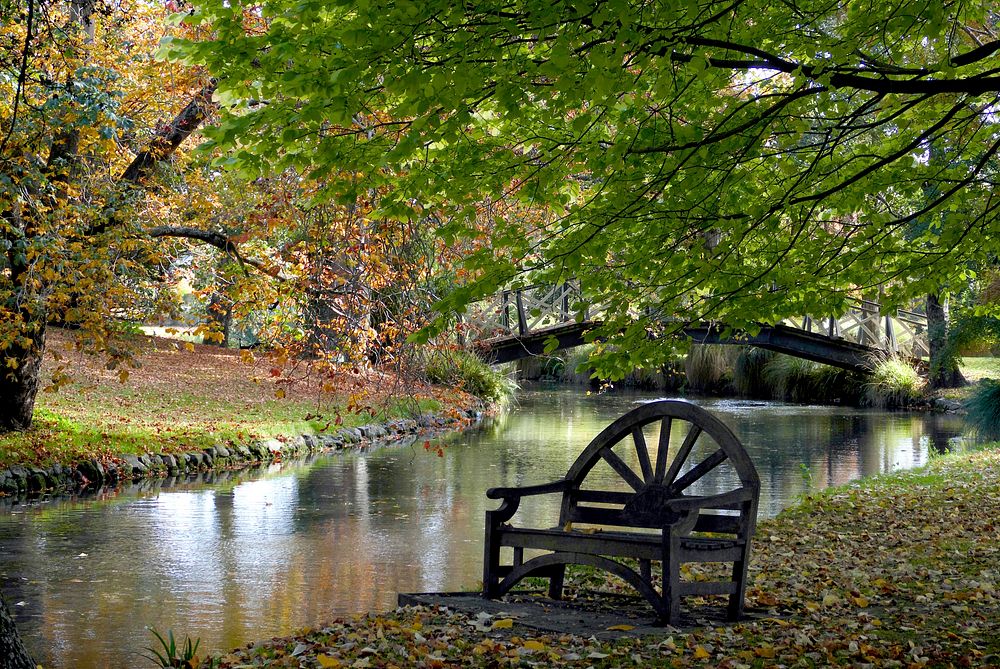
182	657
893	383
807	476
983	408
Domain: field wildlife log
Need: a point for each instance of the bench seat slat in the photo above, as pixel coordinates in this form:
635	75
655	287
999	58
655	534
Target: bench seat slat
618	544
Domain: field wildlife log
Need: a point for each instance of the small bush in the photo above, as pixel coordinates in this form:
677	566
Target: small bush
984	410
894	383
464	370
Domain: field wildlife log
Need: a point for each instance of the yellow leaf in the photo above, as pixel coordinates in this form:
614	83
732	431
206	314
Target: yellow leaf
189	346
700	653
123	376
621	628
764	651
860	601
279	393
830	600
328	661
503	624
531	644
246	356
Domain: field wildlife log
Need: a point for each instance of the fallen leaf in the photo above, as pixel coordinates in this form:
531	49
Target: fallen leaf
328	662
503	624
700	653
621	628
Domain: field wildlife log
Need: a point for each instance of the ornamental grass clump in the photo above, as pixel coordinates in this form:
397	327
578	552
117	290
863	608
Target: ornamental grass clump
894	383
465	370
983	408
708	367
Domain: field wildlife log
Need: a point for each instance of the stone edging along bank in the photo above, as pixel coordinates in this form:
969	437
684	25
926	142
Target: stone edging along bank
19	480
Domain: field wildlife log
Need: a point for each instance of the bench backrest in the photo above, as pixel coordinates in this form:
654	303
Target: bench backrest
642	502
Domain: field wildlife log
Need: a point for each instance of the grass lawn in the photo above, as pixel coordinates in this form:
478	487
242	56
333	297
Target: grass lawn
975	369
185	396
897	571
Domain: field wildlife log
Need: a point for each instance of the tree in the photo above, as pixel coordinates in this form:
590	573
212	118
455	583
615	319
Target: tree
13	654
79	234
738	161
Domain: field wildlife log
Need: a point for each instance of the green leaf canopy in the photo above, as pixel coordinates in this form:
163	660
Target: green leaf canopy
740	161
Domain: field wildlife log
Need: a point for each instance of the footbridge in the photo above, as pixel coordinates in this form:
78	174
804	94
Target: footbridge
515	324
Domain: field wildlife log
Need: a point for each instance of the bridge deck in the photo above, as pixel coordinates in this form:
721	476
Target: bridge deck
520	323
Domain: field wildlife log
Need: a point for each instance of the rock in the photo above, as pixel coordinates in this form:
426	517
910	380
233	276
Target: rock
366	431
945	404
36	481
194	459
350	435
91	470
273	446
134	466
169	461
209	454
221	451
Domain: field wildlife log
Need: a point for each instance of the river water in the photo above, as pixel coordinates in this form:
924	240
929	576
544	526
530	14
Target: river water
264	553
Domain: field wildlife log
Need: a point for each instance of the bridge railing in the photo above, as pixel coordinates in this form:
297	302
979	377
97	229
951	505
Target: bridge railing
530	309
903	332
525	311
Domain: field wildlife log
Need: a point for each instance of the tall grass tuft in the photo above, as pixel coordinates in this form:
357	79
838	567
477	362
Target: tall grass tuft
894	383
748	372
708	367
799	380
984	410
463	369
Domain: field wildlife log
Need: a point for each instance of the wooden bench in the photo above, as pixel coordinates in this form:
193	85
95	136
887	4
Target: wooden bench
616	516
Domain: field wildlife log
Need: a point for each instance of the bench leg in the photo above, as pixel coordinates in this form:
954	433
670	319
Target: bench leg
671	578
734	611
556	581
491	560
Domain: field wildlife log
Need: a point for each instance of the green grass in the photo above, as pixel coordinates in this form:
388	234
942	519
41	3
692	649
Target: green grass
77	424
974	369
182	397
465	371
894	383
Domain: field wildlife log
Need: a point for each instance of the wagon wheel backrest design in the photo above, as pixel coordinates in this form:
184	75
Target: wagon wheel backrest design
619	479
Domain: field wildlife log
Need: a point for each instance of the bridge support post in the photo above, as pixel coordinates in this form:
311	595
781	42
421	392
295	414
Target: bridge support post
522	320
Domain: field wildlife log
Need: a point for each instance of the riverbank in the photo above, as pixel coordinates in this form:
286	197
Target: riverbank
186	407
900	570
754	373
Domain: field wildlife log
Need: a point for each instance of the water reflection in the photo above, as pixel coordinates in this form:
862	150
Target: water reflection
248	557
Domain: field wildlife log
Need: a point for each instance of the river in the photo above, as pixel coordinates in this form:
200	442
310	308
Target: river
264	553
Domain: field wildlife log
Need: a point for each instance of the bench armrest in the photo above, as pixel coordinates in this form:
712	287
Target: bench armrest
690	503
516	493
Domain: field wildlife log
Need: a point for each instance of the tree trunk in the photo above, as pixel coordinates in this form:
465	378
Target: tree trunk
944	372
19	381
13	654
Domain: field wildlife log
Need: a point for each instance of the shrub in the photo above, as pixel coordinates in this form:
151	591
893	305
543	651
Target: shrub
984	410
465	370
894	383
